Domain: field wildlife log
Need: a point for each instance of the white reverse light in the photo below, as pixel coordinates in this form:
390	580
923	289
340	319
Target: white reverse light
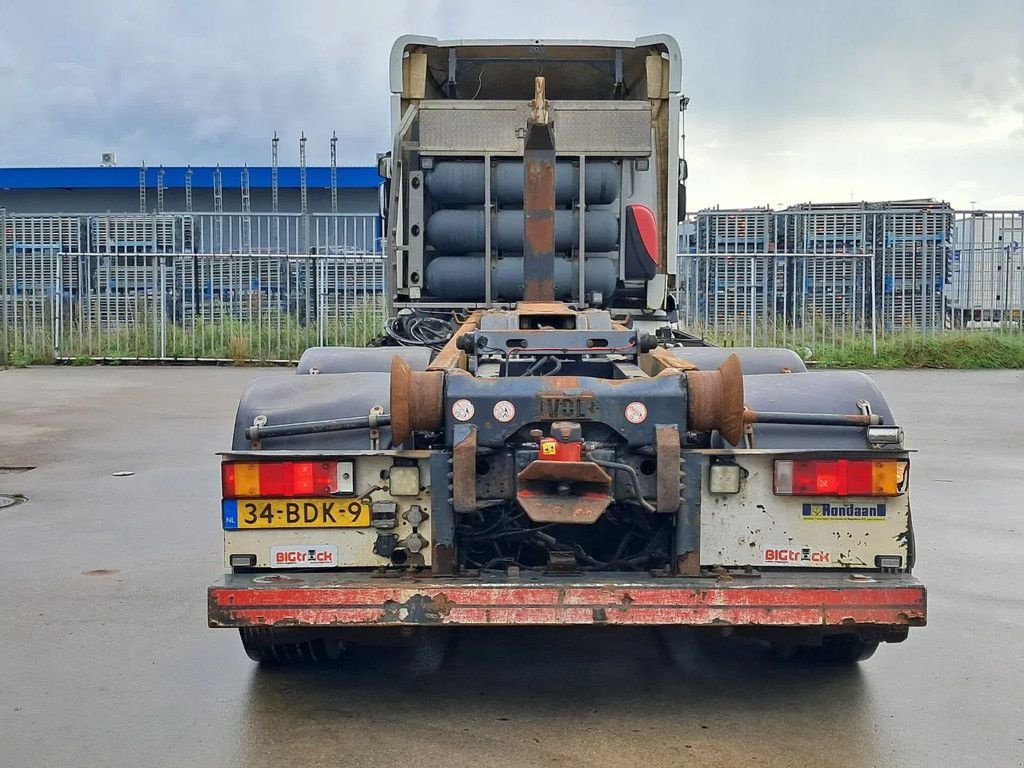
724	478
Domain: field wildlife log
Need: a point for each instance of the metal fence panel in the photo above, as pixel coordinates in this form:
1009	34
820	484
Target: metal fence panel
986	275
190	286
779	299
263	286
911	243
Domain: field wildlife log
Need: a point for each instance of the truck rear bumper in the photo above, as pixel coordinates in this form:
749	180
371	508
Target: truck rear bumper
821	600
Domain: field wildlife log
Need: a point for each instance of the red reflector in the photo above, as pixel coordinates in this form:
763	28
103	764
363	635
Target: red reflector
647	225
640	247
227	479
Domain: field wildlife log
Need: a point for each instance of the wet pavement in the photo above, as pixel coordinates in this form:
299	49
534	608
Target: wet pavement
106	660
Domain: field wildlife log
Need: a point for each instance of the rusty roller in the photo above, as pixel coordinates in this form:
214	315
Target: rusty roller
416	400
716	399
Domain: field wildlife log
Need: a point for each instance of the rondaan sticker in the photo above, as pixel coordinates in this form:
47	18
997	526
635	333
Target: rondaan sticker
859	512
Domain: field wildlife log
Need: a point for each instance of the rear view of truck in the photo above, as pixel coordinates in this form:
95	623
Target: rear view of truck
534	441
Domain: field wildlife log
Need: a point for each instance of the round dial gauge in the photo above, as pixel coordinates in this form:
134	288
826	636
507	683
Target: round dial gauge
504	411
636	412
463	410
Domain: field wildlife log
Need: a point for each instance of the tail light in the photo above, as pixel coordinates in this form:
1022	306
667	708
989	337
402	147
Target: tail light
841	477
285	478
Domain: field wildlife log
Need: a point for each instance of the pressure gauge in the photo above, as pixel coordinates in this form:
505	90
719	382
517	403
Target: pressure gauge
504	411
636	412
463	410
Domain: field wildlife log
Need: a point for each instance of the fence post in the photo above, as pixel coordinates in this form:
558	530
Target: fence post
3	287
874	310
58	302
166	262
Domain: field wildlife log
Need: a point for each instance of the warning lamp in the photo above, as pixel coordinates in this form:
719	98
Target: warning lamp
841	477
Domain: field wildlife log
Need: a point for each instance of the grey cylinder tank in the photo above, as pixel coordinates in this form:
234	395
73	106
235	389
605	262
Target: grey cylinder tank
812	392
462	183
752	359
290	399
463	231
462	277
360	359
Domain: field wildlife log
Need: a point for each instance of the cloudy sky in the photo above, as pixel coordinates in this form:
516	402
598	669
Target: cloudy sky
810	100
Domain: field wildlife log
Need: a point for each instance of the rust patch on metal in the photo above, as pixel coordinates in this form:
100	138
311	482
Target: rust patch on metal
688	564
450	355
416	400
564	491
539	202
442	561
528	308
716	400
664	359
666	441
278	578
418	609
464	473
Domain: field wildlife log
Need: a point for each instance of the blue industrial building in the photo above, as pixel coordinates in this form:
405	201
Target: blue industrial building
122	189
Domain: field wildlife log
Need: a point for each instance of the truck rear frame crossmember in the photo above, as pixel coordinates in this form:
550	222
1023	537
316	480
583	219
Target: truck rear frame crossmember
878	602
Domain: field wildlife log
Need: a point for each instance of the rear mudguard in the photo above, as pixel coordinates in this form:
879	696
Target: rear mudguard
291	399
838	392
360	359
754	360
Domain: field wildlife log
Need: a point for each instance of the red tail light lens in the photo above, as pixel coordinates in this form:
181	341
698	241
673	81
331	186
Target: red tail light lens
841	477
280	479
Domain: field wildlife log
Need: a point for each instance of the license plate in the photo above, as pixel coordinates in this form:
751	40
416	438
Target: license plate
296	513
557	407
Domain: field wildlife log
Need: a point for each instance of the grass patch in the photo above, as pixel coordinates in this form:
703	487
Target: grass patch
961	350
271	336
22	359
267	336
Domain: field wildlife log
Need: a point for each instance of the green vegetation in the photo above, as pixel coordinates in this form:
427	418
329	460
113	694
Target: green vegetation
266	337
275	336
22	359
950	349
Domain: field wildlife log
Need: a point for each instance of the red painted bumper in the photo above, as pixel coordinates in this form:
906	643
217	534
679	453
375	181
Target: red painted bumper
356	599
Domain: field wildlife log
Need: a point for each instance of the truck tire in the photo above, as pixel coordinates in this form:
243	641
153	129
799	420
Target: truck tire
846	649
428	652
835	650
263	646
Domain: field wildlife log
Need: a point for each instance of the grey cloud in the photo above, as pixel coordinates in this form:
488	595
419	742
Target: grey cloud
802	88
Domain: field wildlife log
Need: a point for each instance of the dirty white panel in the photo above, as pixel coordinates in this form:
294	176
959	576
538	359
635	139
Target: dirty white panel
351	547
757	528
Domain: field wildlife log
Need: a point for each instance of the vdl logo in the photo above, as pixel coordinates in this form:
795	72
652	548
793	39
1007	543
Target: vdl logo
844	512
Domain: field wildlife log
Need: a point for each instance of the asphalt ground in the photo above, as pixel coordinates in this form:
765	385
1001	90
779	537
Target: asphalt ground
106	659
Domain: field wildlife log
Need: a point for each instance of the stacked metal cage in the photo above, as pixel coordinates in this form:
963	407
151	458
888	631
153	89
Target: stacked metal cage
836	265
831	283
915	241
735	285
